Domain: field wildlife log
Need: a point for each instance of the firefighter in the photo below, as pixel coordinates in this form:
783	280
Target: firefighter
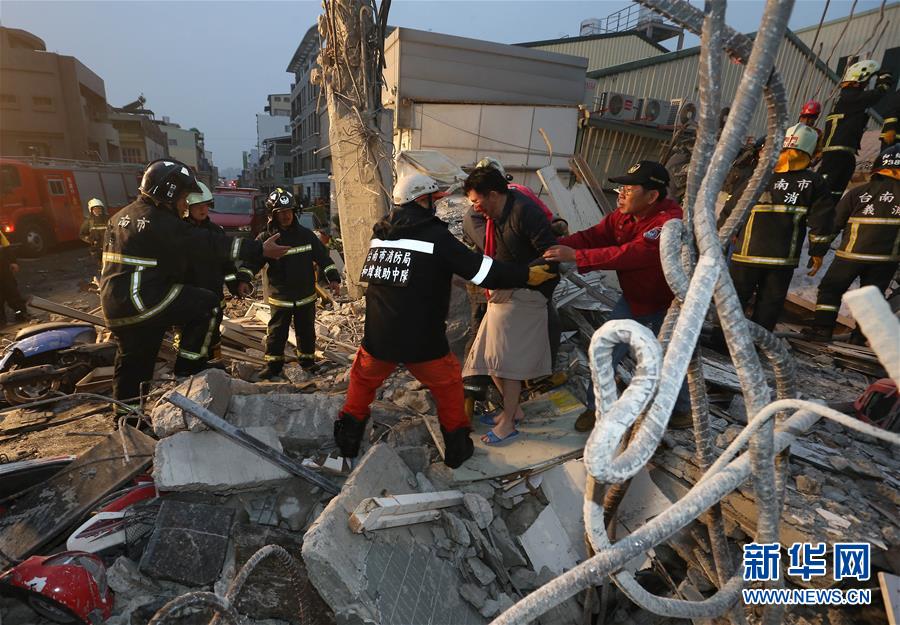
845	126
888	134
213	276
146	253
809	115
768	247
92	230
411	261
292	285
9	287
869	216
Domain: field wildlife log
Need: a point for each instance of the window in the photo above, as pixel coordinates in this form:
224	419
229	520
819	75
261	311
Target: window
132	155
56	187
42	103
287	128
173	141
9	179
8	101
287	170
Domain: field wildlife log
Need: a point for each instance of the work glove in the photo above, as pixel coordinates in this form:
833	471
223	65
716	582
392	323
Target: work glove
539	274
816	263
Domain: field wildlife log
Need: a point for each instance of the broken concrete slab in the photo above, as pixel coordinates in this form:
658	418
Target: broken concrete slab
209	462
475	595
300	420
547	544
210	389
481	571
393	576
189	543
563	485
512	557
479	509
547	437
375	513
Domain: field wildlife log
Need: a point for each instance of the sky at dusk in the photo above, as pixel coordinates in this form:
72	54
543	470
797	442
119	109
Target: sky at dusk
210	64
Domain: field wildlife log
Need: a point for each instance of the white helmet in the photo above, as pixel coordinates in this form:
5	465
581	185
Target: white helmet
413	186
95	202
204	197
490	161
801	137
861	71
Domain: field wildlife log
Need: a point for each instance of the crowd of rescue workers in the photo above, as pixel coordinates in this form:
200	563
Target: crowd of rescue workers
164	265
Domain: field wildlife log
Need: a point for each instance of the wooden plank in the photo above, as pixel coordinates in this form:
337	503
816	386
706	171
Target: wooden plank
584	173
795	299
890	592
52	307
39	515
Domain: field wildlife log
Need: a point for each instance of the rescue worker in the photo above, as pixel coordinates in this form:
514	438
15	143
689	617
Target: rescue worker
209	275
92	230
767	249
888	134
809	115
411	261
292	285
845	125
9	287
678	159
146	253
869	218
627	241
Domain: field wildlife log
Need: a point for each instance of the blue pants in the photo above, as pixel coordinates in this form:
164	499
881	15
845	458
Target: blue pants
653	321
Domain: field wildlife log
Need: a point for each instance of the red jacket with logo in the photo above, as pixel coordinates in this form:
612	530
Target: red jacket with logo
630	246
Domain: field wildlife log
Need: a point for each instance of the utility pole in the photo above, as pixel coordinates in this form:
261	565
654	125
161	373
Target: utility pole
349	71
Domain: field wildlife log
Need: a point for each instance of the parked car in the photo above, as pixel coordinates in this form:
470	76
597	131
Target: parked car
241	211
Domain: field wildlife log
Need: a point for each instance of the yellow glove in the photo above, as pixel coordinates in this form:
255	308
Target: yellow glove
539	274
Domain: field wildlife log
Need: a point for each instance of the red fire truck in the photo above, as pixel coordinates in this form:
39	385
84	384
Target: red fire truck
43	201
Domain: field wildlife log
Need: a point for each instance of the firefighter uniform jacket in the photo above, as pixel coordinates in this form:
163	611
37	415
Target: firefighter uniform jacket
870	218
147	252
411	261
292	278
845	126
93	229
211	275
775	229
888	134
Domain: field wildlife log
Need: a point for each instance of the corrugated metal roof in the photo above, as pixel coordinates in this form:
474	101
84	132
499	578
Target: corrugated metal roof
590	38
839	44
604	52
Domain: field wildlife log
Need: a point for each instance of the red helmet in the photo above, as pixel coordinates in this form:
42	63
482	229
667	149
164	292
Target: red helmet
811	108
64	587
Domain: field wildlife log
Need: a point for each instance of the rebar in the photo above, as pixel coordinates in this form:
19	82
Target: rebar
195	599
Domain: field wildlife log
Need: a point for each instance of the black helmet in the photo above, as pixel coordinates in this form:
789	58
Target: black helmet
165	180
280	200
888	159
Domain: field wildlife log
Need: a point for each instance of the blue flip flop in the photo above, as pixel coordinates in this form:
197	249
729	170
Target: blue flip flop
493	440
489	418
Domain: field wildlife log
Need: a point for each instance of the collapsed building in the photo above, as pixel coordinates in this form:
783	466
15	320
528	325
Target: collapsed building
223	499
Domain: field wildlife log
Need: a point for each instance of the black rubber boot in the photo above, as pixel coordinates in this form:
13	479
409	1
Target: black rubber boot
458	447
271	372
817	333
348	434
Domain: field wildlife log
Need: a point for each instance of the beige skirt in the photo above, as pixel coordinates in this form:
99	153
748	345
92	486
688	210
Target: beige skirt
512	341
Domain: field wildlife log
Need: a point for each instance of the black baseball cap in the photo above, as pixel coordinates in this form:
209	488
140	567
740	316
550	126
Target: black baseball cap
648	174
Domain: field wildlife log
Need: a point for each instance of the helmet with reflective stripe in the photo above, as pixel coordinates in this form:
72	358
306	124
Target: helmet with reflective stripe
801	137
411	187
861	71
95	202
888	159
204	197
165	180
812	109
280	200
490	161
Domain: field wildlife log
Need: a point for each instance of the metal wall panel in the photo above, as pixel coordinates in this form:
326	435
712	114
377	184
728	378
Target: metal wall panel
678	78
603	53
860	28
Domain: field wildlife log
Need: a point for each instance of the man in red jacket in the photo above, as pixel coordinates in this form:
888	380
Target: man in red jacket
627	241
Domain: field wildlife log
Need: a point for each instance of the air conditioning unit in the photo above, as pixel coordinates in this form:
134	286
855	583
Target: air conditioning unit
655	112
618	106
682	112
